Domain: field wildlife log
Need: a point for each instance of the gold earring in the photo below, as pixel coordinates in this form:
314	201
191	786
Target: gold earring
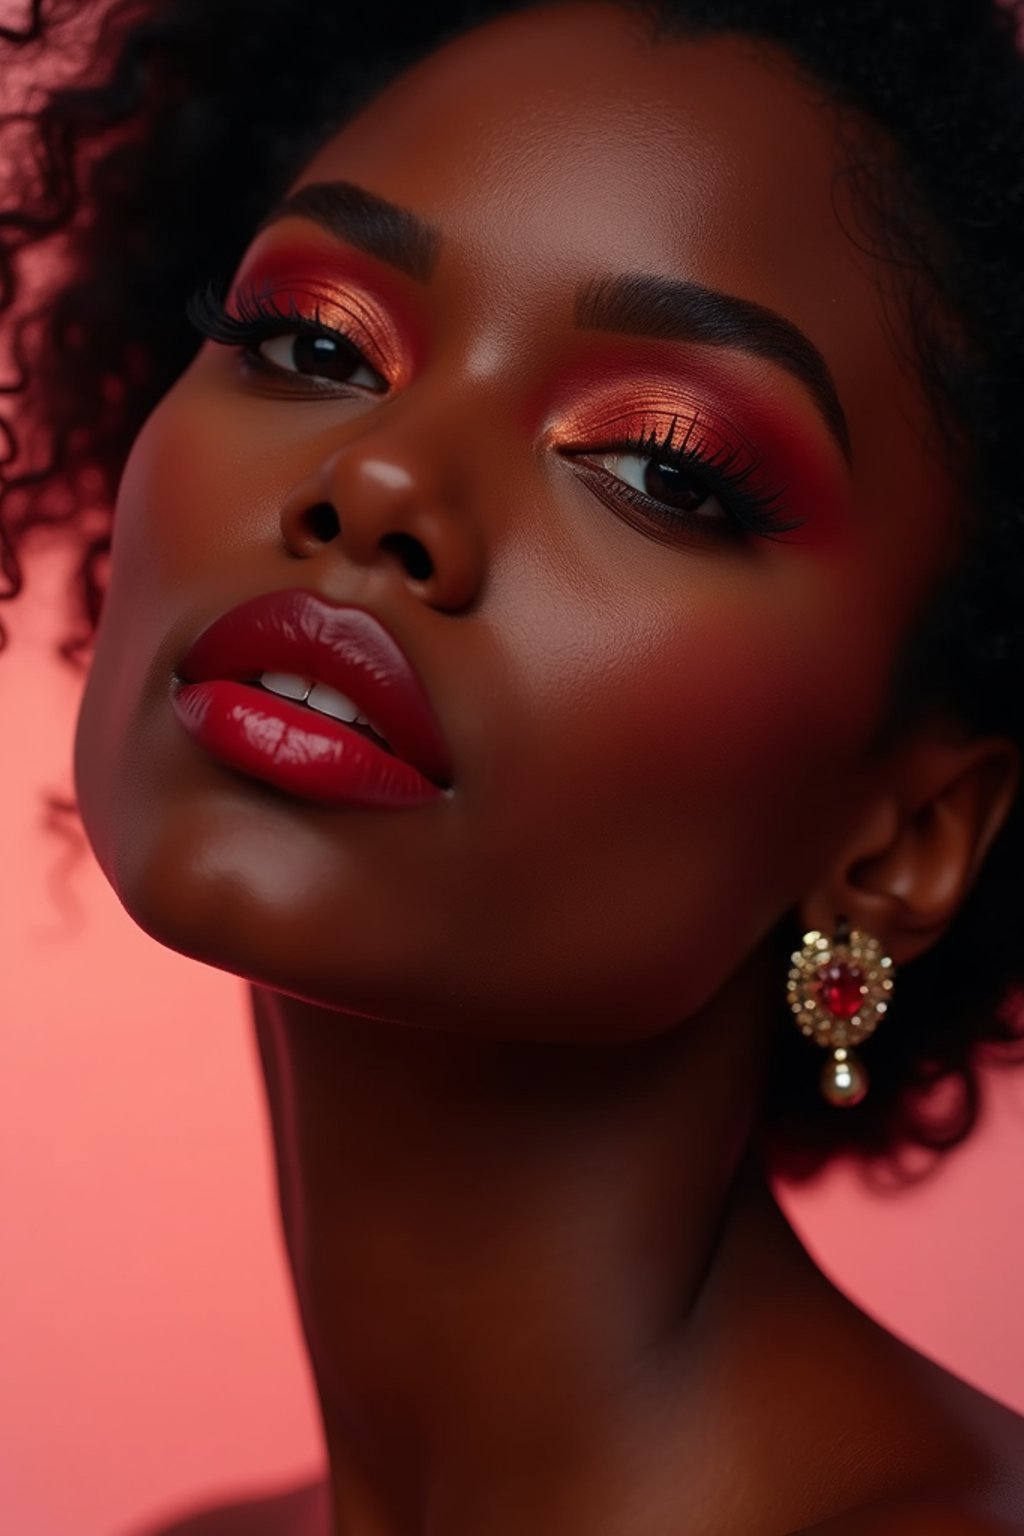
839	991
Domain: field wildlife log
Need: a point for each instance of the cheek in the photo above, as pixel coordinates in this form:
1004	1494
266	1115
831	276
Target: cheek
184	496
163	535
191	495
689	779
743	684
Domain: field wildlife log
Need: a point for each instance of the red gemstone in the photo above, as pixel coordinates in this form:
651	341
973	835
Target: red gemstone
839	989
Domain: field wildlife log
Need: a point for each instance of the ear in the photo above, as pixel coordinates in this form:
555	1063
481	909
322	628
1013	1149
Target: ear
918	843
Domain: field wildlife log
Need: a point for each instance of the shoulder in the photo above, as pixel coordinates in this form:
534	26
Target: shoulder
299	1511
980	1492
927	1515
968	1479
926	1520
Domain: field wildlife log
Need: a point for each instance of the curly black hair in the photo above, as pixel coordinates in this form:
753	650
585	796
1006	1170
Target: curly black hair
122	117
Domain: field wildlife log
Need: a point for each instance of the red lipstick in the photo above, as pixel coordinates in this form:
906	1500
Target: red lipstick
398	759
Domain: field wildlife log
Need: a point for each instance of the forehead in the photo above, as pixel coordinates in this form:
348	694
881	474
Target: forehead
563	134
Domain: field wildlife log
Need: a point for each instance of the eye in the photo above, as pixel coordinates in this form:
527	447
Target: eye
674	485
700	483
319	356
282	342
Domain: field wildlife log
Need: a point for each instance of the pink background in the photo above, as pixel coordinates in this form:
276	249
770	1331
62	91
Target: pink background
150	1357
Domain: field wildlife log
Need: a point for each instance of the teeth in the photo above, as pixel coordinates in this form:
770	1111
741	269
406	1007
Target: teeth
318	696
288	684
330	702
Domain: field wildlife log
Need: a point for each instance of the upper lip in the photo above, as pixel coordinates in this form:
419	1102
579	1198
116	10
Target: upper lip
348	648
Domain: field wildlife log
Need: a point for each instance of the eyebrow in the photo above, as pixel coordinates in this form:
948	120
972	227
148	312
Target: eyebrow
396	235
638	304
677	310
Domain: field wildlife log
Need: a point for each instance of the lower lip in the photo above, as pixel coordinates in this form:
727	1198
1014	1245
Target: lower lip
295	748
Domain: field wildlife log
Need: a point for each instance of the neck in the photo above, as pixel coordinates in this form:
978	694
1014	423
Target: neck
510	1257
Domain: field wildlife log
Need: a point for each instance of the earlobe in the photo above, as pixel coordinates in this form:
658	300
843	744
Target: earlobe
918	847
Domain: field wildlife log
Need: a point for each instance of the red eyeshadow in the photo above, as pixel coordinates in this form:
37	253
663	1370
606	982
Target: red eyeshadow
629	384
309	270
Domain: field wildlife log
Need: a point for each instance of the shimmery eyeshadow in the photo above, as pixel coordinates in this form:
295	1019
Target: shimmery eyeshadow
366	299
621	389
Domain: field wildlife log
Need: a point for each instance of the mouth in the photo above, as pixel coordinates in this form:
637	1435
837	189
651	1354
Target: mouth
315	698
320	698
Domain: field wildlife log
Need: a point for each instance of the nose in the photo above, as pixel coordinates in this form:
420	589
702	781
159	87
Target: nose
385	499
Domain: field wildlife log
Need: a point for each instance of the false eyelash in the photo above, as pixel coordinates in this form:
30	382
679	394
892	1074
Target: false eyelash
256	318
725	473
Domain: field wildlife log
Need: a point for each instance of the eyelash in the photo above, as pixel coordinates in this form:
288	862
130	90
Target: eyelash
723	473
257	319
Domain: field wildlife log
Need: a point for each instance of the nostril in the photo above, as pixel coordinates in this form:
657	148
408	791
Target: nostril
323	521
411	553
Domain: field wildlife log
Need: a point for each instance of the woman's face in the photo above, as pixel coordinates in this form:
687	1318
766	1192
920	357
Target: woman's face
657	684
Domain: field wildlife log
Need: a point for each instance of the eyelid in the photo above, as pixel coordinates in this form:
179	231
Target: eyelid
353	285
690	425
352	317
619	404
613	388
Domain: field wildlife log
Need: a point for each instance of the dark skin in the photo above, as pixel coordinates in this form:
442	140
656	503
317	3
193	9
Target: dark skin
515	1040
